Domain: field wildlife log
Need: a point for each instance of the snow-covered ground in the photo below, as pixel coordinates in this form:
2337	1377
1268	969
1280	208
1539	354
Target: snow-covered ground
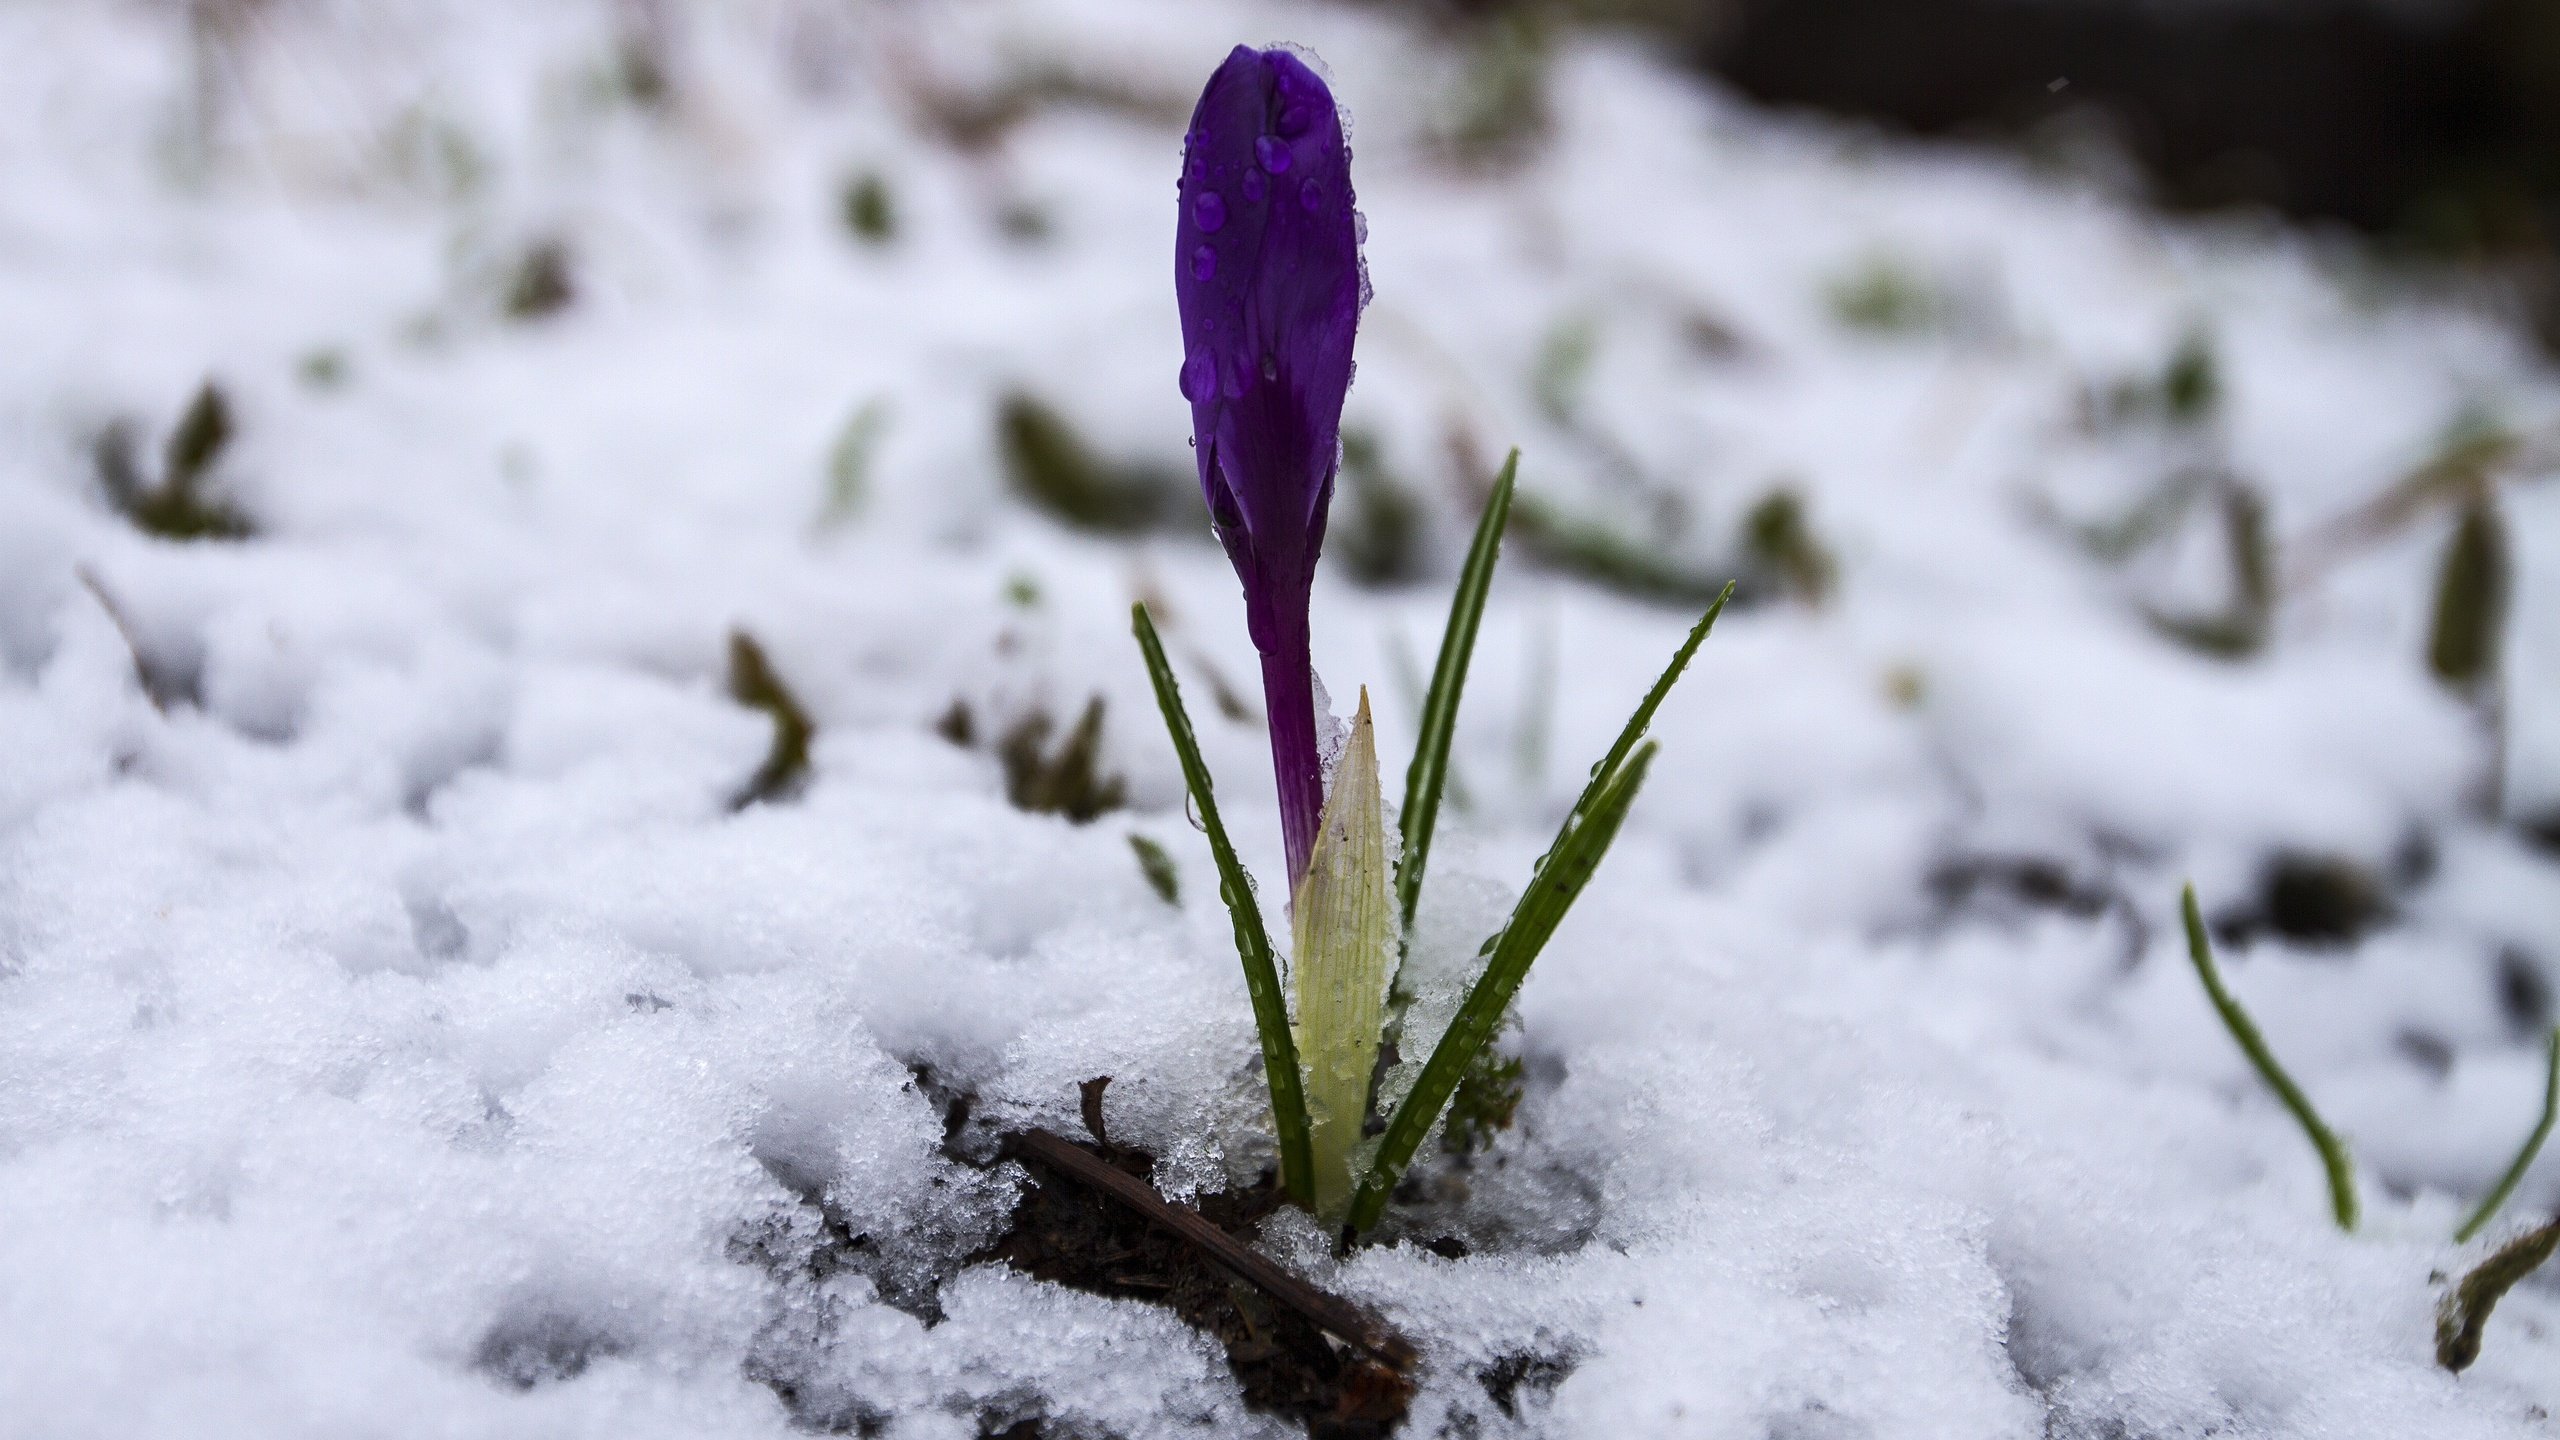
401	1035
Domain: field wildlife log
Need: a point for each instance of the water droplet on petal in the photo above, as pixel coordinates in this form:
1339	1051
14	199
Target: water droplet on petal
1270	366
1209	212
1253	185
1204	263
1273	152
1197	371
1294	120
1310	195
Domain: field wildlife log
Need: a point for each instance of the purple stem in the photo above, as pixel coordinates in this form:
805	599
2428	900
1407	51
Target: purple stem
1288	694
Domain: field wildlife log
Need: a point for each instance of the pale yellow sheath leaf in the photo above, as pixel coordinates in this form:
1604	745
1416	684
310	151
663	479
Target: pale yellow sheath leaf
1344	942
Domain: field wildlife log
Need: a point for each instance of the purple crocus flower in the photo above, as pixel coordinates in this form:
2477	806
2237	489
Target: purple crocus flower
1267	271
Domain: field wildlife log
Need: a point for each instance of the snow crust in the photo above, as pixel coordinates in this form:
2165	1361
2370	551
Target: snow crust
402	1037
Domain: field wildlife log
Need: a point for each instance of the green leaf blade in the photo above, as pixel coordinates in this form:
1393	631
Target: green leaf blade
1253	943
1427	777
1560	876
1642	719
1570	864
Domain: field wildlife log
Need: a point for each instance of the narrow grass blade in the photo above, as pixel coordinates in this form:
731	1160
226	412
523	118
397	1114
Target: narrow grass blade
754	684
1253	944
2506	1185
1560	878
2464	1315
2333	1152
1425	779
1602	555
2473	583
1640	721
1345	931
1409	687
849	463
1159	869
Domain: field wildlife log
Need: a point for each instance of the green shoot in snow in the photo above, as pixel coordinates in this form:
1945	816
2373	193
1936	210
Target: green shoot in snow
2506	1185
2333	1151
1253	943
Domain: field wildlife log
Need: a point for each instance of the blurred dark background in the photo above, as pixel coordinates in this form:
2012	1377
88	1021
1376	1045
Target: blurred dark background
2430	126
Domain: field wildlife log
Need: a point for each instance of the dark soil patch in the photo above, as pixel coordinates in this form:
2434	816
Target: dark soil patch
1069	1233
1970	886
2524	995
1524	1375
2025	881
2542	832
2317	901
542	1346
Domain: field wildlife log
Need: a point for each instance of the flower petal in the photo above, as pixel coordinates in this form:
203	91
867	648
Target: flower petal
1270	286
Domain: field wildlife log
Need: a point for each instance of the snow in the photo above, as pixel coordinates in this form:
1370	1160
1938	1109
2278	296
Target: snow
403	1037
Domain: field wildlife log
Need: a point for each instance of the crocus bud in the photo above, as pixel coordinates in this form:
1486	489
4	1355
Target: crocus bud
1267	273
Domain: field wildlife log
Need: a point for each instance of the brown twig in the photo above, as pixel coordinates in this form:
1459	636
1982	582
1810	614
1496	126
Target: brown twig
1089	1093
2464	1314
1329	1313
